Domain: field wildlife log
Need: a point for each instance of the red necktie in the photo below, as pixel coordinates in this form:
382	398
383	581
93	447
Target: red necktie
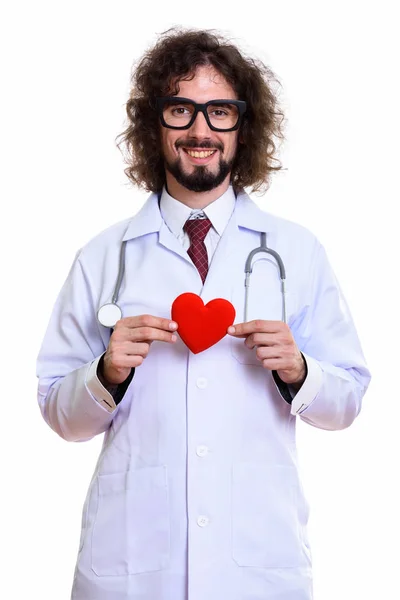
197	230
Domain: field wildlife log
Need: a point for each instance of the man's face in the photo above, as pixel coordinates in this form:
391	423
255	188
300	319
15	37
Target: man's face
200	173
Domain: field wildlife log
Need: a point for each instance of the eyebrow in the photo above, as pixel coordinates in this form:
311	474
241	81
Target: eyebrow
220	103
183	100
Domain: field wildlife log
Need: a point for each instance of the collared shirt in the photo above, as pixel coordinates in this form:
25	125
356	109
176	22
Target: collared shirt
175	215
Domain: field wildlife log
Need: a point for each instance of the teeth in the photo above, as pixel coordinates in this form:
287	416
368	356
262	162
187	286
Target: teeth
202	154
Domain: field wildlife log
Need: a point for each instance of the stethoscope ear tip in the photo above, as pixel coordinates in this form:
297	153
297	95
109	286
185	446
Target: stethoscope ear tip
109	314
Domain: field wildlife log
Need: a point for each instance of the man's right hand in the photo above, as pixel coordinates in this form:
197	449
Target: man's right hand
130	344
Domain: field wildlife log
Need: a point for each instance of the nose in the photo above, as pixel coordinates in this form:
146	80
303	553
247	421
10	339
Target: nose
200	128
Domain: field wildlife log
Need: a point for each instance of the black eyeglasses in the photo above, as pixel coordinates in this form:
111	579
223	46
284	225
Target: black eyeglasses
180	113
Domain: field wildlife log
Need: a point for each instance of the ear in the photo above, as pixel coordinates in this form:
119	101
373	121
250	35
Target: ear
240	136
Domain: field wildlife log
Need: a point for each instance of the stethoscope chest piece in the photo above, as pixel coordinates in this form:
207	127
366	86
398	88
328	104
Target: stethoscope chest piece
109	314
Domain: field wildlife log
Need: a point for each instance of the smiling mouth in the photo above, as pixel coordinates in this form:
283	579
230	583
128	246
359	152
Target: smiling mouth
199	153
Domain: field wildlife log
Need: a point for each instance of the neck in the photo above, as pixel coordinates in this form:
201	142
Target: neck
194	199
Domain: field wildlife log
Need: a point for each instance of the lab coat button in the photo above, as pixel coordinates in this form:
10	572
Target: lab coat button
202	521
201	383
202	451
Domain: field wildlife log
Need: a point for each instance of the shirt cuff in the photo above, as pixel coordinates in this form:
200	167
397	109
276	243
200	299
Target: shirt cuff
97	389
310	388
312	384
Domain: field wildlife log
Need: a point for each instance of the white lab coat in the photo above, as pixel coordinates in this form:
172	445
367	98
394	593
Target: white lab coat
196	493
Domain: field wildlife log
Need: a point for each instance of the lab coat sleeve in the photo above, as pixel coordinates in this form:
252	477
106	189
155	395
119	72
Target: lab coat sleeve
71	398
337	376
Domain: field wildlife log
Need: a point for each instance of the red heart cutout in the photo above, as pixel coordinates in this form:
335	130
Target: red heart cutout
201	326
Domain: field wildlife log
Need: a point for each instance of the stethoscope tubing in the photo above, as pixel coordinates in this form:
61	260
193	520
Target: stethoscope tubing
248	271
121	272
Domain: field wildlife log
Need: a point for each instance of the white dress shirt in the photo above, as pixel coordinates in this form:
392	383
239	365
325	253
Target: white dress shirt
175	215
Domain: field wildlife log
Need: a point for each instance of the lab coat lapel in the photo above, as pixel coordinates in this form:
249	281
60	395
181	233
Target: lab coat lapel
148	220
170	242
249	216
219	279
229	252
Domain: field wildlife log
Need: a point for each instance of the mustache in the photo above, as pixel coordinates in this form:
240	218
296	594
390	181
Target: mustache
192	143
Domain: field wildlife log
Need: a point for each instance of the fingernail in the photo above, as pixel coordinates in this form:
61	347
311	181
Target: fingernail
173	325
231	329
173	338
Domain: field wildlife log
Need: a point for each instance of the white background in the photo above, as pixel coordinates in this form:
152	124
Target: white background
65	78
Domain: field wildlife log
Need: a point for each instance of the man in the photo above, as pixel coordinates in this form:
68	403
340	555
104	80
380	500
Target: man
196	492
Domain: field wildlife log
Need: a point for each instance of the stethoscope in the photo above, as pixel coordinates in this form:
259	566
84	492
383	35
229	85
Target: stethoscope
109	313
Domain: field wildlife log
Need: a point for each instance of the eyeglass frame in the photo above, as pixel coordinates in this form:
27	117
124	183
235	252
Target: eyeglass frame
161	101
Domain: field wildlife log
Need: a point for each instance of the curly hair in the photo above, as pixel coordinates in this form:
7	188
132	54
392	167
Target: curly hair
176	56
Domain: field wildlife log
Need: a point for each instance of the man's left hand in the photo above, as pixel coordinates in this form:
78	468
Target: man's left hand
275	348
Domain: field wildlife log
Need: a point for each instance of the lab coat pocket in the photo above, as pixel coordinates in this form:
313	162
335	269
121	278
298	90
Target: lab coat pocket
267	517
131	530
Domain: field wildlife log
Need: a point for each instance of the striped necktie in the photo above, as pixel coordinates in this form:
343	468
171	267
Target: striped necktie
197	230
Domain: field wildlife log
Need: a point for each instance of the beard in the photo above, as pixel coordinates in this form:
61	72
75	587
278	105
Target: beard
201	179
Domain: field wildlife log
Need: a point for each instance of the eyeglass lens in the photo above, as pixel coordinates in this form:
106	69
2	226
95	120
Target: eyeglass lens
222	116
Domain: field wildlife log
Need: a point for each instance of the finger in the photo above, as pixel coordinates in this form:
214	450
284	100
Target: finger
262	339
128	355
137	349
123	361
142	334
259	325
268	352
148	321
150	334
272	364
127	348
